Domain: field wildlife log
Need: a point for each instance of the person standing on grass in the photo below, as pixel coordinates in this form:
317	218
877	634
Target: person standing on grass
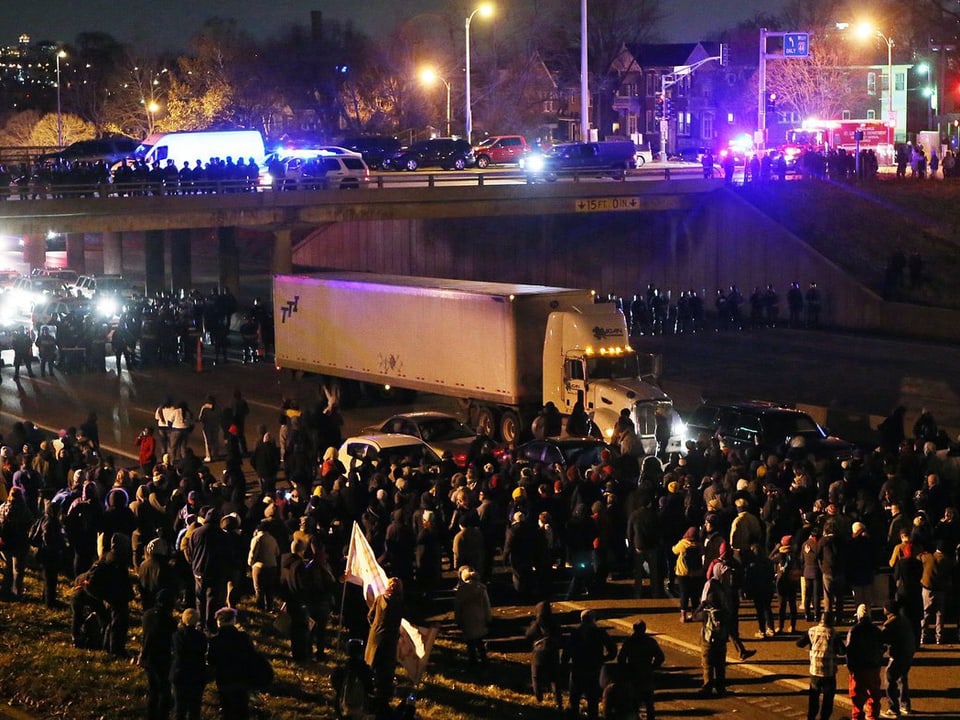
588	648
825	646
188	667
384	617
471	609
156	648
228	651
545	632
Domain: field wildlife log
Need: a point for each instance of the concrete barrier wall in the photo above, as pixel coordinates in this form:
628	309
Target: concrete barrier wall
722	241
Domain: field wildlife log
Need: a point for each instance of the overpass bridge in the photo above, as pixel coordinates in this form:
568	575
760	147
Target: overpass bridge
171	225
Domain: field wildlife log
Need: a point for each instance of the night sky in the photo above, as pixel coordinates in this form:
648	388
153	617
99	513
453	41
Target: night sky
165	24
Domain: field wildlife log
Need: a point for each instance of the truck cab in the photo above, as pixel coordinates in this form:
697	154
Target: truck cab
587	357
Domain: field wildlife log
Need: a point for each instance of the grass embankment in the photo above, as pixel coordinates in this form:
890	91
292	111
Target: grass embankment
859	227
42	674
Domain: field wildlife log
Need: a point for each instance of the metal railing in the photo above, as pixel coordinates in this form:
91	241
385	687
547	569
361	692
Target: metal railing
41	190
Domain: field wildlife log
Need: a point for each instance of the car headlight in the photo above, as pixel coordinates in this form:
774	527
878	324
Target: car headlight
534	163
108	307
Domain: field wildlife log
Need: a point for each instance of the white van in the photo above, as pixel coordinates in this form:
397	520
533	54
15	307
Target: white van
201	145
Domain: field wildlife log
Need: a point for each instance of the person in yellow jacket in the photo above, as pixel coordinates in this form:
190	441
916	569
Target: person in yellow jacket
689	571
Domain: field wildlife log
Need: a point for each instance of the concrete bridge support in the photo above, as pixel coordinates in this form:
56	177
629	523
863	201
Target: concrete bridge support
282	252
229	259
35	251
181	268
76	255
153	256
113	252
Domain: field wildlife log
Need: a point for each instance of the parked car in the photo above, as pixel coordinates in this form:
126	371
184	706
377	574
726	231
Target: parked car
25	292
375	149
49	311
581	452
383	447
447	153
441	431
766	426
500	150
109	149
90	286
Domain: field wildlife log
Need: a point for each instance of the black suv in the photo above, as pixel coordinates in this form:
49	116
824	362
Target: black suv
376	149
109	149
447	153
768	426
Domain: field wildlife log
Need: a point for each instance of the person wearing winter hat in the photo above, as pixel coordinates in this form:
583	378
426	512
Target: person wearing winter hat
787	571
864	649
472	613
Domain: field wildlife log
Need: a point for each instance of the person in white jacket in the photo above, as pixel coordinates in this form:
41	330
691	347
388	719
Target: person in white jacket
264	562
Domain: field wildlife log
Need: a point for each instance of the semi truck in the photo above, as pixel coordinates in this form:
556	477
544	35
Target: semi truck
503	350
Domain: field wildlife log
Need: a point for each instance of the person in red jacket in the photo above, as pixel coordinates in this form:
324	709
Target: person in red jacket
148	451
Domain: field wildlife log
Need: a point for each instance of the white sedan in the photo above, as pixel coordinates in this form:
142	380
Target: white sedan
384	446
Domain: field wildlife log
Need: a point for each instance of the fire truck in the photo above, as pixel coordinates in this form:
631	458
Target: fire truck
825	135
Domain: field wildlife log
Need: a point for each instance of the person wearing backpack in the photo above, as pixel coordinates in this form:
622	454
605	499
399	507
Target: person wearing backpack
353	684
825	648
689	571
786	564
714	610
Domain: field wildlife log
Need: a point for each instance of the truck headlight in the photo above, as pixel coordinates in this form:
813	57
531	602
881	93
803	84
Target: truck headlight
534	163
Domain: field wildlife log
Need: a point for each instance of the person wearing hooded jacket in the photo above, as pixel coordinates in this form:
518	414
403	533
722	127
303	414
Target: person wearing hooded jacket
471	611
588	648
546	633
15	522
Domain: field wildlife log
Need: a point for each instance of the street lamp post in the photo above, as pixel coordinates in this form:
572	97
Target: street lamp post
60	54
485	10
866	30
428	76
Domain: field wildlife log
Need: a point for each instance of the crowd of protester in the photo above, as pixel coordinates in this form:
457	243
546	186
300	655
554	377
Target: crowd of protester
41	180
813	538
657	311
159	331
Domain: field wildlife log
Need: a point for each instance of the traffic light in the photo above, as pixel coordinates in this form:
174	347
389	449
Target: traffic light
668	108
724	54
658	107
771	101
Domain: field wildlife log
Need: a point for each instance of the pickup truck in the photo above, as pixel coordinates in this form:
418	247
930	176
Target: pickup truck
612	158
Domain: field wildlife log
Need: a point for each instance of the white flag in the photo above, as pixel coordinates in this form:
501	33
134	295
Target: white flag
363	568
413	649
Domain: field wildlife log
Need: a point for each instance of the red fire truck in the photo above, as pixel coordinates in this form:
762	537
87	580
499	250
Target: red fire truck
825	135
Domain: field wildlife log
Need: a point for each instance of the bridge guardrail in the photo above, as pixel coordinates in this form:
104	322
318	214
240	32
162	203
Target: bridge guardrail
380	181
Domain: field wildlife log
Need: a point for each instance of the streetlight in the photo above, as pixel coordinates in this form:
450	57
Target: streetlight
485	10
152	108
428	76
864	31
60	54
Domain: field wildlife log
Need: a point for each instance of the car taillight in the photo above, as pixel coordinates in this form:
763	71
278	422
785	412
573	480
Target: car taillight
460	459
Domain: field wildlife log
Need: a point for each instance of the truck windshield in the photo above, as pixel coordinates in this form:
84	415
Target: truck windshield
610	367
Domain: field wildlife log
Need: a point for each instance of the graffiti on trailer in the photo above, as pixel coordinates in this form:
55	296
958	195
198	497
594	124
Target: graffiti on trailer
289	308
601	333
390	364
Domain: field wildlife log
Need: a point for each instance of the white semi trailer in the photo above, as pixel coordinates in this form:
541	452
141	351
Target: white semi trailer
502	349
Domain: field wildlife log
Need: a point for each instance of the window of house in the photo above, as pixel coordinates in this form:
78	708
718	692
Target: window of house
871	114
845	115
899	81
871	83
683	123
706	126
653	83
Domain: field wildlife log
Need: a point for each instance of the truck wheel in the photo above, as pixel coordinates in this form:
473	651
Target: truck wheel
486	423
510	426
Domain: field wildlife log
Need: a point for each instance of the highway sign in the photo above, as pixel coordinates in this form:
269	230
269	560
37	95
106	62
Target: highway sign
796	44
